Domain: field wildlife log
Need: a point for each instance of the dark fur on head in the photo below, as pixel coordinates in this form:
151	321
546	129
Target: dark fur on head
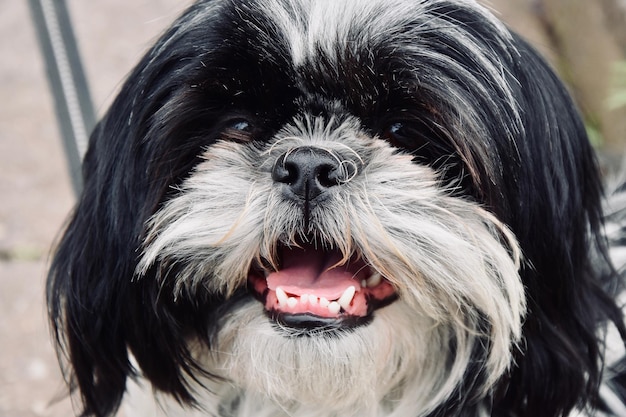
484	110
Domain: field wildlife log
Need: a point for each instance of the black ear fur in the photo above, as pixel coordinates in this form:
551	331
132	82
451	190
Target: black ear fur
556	213
97	309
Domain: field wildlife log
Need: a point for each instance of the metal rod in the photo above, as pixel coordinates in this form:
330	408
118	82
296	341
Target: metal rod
66	77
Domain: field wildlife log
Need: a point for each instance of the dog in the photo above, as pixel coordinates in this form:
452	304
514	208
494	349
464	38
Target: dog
341	208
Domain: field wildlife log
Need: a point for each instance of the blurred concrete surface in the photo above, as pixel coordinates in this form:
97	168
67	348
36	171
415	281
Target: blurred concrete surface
35	193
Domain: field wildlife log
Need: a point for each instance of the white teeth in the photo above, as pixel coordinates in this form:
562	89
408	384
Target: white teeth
308	298
374	280
346	298
334	307
282	296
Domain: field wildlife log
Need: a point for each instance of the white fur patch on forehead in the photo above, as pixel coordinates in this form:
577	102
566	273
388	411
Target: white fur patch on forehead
314	26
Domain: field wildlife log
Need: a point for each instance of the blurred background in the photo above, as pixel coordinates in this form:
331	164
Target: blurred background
585	40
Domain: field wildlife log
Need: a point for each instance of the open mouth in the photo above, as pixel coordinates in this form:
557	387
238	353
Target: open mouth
315	288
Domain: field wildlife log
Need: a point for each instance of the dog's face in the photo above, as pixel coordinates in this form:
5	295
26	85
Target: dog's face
328	202
323	195
344	247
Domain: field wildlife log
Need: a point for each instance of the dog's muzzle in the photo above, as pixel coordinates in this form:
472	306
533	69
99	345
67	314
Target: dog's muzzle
316	287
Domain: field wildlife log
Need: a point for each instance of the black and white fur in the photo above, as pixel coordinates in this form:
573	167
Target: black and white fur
454	165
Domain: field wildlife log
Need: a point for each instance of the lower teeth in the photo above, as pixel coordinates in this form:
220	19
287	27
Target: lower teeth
334	307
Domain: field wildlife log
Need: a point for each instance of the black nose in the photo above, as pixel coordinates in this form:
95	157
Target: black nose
308	171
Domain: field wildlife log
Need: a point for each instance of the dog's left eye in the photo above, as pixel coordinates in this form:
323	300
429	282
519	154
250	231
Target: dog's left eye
405	135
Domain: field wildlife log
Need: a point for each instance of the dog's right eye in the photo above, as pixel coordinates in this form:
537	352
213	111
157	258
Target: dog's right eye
241	125
238	130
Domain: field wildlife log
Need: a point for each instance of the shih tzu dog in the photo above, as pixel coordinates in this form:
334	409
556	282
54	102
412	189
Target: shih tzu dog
341	208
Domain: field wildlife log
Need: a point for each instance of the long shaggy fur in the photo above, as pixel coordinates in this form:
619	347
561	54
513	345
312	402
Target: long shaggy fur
462	175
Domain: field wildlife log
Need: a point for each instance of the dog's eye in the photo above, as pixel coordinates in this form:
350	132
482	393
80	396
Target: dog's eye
241	125
238	130
405	135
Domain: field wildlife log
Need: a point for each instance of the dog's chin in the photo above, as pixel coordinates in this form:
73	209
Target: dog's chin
315	290
346	369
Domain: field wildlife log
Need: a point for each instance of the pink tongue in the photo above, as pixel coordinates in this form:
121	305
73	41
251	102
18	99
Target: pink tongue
310	271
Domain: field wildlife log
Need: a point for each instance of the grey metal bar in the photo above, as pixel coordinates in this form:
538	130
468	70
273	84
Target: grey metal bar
67	80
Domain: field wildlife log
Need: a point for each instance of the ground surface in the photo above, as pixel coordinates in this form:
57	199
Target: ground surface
35	192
